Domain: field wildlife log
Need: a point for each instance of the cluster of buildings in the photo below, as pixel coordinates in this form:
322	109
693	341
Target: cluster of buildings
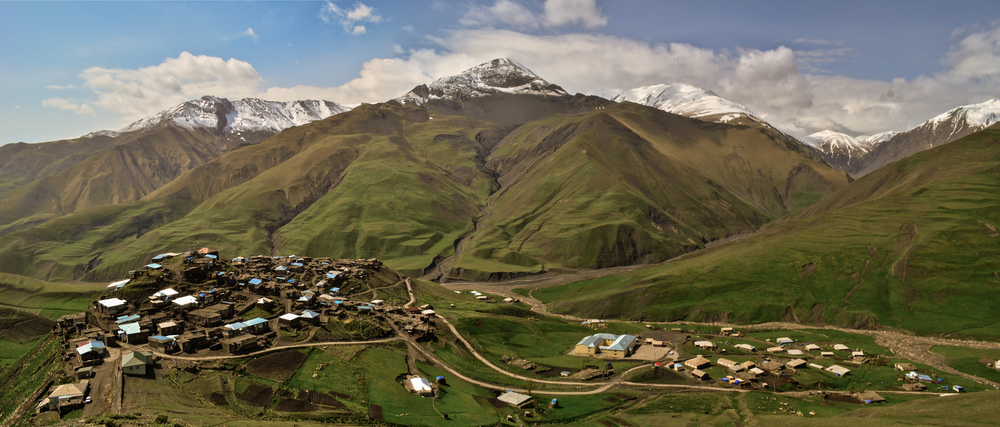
609	345
213	312
746	373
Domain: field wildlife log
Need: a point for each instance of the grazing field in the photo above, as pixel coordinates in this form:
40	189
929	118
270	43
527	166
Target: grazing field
978	362
500	329
51	300
911	245
32	370
20	333
974	409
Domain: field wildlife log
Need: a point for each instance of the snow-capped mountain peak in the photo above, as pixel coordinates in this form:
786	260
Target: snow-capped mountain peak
237	117
879	138
497	76
686	100
829	141
978	115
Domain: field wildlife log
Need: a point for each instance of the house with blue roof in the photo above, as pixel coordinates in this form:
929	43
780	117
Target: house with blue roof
256	325
127	319
91	350
132	333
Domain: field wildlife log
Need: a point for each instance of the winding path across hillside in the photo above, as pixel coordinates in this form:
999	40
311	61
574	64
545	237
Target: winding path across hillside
906	346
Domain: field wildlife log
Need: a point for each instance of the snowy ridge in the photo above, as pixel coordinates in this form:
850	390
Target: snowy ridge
879	138
245	115
973	116
497	76
830	142
253	114
685	100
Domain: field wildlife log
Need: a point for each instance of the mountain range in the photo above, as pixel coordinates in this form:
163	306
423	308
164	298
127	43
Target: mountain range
854	156
495	173
860	158
490	173
46	180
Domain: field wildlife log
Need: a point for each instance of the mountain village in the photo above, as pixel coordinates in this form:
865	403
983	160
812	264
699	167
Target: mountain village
184	313
244	306
297	295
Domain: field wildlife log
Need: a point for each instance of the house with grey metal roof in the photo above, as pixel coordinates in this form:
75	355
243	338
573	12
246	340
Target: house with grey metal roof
613	345
136	362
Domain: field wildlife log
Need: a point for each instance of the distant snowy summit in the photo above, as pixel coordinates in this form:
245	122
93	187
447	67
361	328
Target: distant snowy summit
830	142
248	115
838	149
949	126
878	138
497	76
979	116
689	101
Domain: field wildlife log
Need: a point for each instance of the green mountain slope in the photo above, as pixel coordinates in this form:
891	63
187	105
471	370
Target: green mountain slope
631	184
912	245
124	172
475	187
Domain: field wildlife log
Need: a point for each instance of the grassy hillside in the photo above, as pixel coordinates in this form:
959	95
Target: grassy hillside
125	169
581	185
911	245
630	184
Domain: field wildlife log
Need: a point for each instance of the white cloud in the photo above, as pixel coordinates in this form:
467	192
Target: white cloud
408	28
504	13
145	91
581	12
57	87
349	18
69	105
362	12
769	82
249	33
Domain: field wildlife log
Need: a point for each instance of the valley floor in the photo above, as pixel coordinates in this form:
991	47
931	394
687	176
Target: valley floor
632	389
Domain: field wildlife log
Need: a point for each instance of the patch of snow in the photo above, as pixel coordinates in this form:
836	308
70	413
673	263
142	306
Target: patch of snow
878	138
829	141
728	117
982	114
245	115
685	100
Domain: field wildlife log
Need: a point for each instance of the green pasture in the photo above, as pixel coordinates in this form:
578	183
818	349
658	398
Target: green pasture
907	246
972	361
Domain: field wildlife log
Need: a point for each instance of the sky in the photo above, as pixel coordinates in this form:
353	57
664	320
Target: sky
858	67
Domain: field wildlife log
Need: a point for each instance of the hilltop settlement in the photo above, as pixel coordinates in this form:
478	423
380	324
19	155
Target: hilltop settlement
216	306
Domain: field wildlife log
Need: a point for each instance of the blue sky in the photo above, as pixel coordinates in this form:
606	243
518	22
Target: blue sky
69	68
